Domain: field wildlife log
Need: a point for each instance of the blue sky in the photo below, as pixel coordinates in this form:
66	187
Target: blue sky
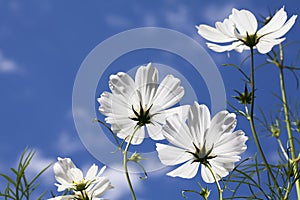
42	45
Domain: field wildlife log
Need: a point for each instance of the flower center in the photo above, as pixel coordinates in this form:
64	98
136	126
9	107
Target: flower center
143	116
80	186
250	40
201	155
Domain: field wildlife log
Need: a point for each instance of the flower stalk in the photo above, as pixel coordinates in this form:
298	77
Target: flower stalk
252	125
125	162
287	118
217	182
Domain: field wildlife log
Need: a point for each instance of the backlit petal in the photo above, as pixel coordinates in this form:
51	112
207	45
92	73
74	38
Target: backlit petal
213	34
245	21
187	170
170	155
275	23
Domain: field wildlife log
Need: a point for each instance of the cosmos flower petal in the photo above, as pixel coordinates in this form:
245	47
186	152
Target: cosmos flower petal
177	132
238	46
65	197
92	172
121	84
199	121
187	170
137	138
227	28
101	171
221	123
76	174
102	185
170	155
206	175
163	115
284	29
146	82
233	143
275	23
265	45
155	131
213	34
61	167
169	92
244	21
114	105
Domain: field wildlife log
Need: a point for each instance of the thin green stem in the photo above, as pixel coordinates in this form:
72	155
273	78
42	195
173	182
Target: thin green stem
287	118
217	182
125	161
252	125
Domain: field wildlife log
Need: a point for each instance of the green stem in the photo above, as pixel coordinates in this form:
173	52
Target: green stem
287	119
217	182
125	161
252	125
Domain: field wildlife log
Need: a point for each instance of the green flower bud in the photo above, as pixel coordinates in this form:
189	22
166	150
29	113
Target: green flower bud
275	130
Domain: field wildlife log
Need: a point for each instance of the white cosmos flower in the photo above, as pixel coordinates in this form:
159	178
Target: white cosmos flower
202	141
69	177
240	31
140	102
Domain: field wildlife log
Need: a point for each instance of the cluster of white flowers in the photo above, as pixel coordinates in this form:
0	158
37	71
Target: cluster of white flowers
196	139
143	102
240	29
70	178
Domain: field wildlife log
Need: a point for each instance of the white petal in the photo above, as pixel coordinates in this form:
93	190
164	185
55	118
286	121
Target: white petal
155	131
76	174
121	84
244	20
198	122
187	170
146	79
264	45
206	175
61	167
161	117
168	93
226	27
231	144
111	104
101	171
213	34
239	46
177	132
65	197
137	138
170	155
284	29
275	23
102	185
92	172
221	123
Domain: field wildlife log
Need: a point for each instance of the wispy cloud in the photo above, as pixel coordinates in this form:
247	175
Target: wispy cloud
38	163
7	65
119	182
74	144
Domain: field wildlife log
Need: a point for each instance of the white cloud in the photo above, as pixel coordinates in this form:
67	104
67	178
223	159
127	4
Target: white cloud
121	187
68	143
7	65
38	163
